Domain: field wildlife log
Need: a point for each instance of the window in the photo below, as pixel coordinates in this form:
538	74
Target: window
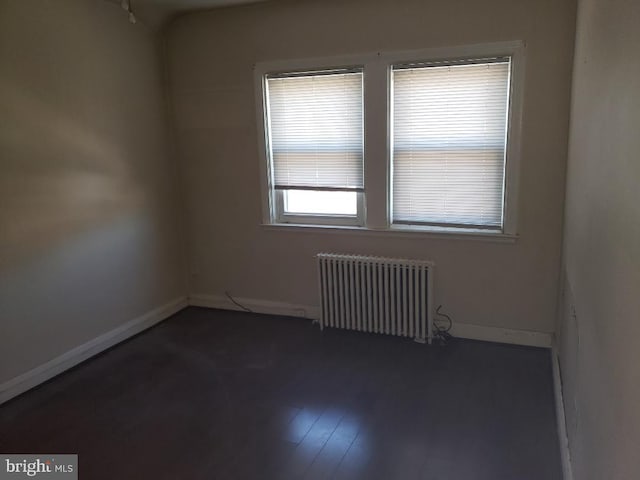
435	133
449	139
315	135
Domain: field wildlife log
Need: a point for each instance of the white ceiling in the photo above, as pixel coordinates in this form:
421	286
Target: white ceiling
155	12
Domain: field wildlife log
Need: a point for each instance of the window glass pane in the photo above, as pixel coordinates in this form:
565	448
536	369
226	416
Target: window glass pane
305	202
449	143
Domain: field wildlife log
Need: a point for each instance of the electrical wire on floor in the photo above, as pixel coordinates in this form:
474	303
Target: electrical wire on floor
237	304
441	333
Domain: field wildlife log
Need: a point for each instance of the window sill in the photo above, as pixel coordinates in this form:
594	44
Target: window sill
404	231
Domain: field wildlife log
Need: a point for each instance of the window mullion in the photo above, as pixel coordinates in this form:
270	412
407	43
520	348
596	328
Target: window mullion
376	137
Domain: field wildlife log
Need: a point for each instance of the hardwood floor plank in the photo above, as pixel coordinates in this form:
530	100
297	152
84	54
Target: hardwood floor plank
300	425
313	442
333	451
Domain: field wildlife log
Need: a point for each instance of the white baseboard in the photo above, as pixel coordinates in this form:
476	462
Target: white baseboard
268	307
50	369
461	330
563	438
501	335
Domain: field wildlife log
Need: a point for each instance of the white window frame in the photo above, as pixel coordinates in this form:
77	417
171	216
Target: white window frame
276	213
374	205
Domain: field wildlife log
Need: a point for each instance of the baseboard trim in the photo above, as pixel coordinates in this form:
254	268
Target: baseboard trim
461	330
563	438
268	307
501	335
73	357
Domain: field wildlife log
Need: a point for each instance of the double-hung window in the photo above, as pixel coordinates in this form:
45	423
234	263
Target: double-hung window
449	143
449	119
315	142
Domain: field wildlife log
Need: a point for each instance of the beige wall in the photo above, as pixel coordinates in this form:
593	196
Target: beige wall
211	57
600	318
88	236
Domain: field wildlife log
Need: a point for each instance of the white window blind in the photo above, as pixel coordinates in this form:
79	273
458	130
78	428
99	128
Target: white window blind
316	130
449	140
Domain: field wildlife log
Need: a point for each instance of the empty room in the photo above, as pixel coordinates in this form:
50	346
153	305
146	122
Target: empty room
320	239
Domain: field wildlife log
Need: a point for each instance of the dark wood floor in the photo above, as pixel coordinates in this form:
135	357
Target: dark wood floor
211	394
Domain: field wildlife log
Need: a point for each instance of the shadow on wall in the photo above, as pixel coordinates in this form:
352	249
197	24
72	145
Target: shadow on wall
59	179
